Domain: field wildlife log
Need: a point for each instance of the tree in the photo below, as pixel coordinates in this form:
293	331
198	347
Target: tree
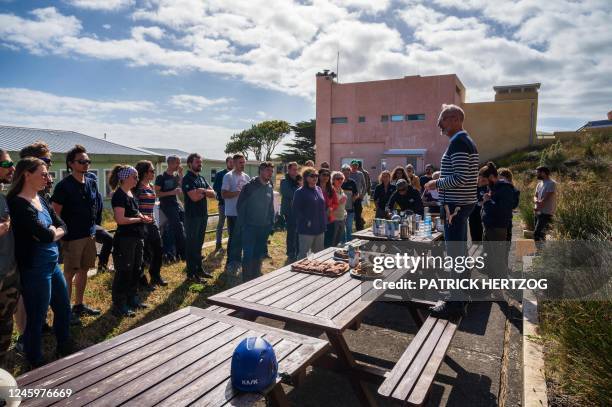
261	139
302	148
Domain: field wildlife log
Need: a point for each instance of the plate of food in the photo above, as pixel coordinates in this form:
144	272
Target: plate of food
329	268
365	271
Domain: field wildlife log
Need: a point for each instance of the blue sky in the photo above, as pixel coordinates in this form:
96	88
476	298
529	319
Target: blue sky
189	73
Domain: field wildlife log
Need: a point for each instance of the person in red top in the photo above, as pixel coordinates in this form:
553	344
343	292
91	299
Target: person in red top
331	204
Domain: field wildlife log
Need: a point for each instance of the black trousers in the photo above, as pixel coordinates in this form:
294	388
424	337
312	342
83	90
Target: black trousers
234	241
196	229
152	251
475	223
175	216
292	236
359	221
542	224
106	240
127	258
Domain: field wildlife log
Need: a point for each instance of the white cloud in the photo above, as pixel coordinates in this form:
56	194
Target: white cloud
106	26
280	45
34	101
106	5
195	103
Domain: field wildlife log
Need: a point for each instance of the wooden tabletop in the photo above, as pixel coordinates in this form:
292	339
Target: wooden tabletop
368	235
328	303
180	359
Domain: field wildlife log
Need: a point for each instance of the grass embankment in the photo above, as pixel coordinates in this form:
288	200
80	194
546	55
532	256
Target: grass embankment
577	335
178	294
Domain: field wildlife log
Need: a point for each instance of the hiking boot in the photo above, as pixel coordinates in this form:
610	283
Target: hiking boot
82	309
137	304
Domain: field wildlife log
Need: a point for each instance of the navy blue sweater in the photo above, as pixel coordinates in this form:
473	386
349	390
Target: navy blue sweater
309	210
459	171
497	211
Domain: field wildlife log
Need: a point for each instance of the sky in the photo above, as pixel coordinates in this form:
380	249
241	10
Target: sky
188	74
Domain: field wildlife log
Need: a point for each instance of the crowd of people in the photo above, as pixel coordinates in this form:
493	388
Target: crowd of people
42	227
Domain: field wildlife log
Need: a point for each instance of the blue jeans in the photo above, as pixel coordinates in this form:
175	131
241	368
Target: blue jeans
42	286
455	234
348	235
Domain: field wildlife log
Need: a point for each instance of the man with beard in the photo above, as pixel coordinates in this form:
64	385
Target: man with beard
196	190
9	278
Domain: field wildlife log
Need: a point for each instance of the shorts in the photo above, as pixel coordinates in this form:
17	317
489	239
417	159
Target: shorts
79	254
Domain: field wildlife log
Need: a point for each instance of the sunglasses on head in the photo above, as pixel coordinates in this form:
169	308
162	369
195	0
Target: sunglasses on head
313	175
83	162
46	160
6	164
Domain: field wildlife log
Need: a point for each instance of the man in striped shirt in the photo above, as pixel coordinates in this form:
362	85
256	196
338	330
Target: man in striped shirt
457	191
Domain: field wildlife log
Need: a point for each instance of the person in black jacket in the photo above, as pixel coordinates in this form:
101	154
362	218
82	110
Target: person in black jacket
255	208
406	198
496	215
288	186
37	229
382	193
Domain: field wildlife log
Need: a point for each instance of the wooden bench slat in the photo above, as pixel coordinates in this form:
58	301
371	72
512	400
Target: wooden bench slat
396	374
330	298
294	278
307	303
295	288
37	374
302	293
421	389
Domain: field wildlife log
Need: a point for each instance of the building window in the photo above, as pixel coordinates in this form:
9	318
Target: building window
384	118
339	120
397	117
361	119
413	117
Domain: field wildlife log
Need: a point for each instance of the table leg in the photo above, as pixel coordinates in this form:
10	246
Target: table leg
277	396
348	361
416	315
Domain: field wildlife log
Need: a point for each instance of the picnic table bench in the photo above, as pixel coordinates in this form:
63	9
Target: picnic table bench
180	359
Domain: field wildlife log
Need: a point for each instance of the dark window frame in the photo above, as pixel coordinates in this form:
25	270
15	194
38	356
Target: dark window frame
339	120
416	117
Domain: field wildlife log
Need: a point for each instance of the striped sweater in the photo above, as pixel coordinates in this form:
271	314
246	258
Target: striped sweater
459	171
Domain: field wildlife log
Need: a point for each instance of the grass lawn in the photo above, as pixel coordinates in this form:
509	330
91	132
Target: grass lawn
162	301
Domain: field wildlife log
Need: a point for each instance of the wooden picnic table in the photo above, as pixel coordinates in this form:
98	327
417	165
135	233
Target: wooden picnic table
180	359
329	304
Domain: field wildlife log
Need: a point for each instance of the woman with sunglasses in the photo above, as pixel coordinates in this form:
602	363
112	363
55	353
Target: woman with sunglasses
37	229
128	241
309	209
145	196
397	174
331	203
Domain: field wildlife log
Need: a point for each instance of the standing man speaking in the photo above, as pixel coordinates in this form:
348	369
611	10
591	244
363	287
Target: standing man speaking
457	192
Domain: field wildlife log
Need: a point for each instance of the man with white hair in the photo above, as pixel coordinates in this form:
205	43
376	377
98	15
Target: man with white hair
457	192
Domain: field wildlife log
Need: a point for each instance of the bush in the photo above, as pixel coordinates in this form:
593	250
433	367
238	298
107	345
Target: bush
578	335
525	207
554	157
584	212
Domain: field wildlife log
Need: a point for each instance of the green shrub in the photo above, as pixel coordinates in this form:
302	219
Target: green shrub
554	157
578	337
584	211
526	204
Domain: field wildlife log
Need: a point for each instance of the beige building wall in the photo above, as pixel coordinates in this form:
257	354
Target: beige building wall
502	126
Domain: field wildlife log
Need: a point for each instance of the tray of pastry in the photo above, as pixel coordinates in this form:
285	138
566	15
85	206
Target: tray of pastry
365	271
329	268
341	255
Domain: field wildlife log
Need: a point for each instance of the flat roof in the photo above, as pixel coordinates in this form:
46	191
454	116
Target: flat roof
526	85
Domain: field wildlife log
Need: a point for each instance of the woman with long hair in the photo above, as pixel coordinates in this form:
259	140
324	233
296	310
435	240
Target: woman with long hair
382	193
145	196
412	178
338	215
397	174
37	230
331	204
309	209
128	242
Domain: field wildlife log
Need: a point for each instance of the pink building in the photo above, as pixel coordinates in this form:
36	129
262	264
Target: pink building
394	122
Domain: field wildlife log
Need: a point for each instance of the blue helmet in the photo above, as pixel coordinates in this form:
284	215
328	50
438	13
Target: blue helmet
254	365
